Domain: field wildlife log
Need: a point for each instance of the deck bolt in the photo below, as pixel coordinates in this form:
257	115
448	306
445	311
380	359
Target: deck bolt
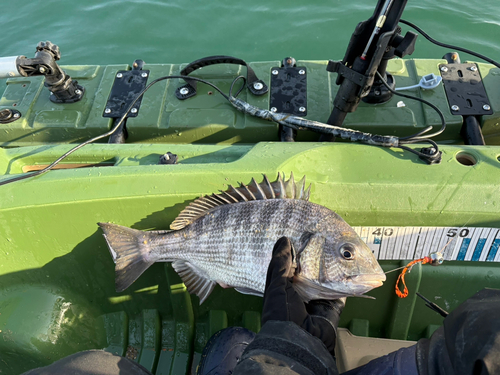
275	72
184	91
302	71
144	75
473	68
258	86
16	115
78	92
133	110
302	109
119	75
377	93
273	109
455	107
444	69
486	107
107	110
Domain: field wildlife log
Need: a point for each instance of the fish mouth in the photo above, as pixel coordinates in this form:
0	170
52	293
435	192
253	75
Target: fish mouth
373	281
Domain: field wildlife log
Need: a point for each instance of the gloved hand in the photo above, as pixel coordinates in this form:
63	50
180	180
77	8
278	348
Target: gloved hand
282	302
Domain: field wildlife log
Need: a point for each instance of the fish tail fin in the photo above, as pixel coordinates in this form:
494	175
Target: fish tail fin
131	252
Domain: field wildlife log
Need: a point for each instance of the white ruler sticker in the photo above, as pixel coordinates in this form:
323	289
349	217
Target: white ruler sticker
464	243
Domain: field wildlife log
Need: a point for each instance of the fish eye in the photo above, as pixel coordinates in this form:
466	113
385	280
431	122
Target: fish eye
347	251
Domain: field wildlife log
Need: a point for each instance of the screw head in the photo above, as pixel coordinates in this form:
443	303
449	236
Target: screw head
273	109
377	93
473	68
119	75
258	86
486	107
107	110
78	92
302	71
444	69
184	91
275	72
144	75
455	107
5	114
16	115
42	69
302	109
133	110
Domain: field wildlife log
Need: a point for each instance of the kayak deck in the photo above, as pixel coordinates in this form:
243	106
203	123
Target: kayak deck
57	277
208	118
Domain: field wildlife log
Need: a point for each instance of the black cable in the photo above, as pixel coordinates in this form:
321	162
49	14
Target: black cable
426	36
114	129
420	135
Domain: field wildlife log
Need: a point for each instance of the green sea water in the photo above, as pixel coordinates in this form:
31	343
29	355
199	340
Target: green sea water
175	31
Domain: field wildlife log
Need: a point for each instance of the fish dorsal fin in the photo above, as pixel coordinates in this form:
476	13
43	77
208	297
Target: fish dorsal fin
195	279
279	189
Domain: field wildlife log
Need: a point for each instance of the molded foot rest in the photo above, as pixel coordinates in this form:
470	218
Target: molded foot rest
354	351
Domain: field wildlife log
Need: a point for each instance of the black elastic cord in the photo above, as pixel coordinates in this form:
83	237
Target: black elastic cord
421	154
107	134
232	85
426	36
420	135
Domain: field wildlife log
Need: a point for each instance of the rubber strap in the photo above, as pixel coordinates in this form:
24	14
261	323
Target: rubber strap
252	80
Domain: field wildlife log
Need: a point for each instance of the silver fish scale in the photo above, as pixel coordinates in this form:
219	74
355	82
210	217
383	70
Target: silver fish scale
233	243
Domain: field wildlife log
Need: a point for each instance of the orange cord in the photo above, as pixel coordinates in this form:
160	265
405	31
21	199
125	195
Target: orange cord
404	293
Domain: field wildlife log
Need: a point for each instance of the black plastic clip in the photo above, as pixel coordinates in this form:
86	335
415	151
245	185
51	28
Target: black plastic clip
168	158
254	84
345	72
431	156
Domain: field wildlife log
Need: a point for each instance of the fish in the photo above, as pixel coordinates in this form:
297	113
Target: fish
228	239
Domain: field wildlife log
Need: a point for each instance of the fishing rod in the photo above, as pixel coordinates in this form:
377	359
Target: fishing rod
378	26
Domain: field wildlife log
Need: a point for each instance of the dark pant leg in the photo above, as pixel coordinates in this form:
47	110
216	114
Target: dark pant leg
223	351
400	362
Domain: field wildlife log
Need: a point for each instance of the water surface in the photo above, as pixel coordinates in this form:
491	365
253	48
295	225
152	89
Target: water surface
120	31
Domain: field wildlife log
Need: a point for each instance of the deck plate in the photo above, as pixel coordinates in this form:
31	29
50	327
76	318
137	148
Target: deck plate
465	90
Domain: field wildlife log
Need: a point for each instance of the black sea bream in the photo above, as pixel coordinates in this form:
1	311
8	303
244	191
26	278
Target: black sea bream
228	239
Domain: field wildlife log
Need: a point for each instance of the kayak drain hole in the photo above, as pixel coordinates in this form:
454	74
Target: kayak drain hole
466	159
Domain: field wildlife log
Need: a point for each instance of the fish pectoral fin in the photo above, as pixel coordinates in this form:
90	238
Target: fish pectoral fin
249	291
309	290
195	279
363	296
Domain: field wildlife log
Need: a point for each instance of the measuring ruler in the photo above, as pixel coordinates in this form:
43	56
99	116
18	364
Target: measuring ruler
464	243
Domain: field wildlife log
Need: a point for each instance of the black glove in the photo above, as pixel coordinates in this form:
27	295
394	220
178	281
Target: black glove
468	342
282	302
